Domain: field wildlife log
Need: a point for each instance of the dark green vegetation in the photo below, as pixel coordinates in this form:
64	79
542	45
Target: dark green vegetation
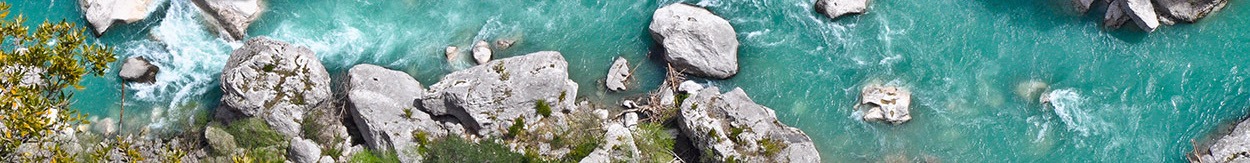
371	156
457	150
543	108
258	142
654	142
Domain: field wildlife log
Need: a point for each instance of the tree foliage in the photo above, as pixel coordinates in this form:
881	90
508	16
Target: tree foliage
36	67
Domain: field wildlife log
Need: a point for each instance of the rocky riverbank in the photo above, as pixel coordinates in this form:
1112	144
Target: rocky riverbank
1148	15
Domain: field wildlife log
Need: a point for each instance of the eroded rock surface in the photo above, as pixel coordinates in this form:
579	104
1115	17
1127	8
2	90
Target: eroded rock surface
275	81
732	126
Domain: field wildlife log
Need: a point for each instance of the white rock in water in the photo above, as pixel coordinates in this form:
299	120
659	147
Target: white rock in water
103	13
837	8
629	104
232	16
1143	13
138	69
481	52
452	53
617	75
696	41
885	103
1031	89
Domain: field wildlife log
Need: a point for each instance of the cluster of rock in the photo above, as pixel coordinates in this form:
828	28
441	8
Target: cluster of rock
730	125
885	103
481	51
1149	14
837	8
287	88
232	16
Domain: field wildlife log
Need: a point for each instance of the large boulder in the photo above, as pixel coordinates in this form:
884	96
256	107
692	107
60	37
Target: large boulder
481	52
303	150
696	41
1230	148
1187	10
488	98
617	74
103	13
1083	5
885	103
836	8
381	107
1115	15
1142	13
732	126
232	16
275	81
138	69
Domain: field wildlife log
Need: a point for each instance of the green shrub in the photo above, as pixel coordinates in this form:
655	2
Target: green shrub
680	97
543	108
255	133
582	150
62	55
454	149
655	143
517	127
371	156
772	146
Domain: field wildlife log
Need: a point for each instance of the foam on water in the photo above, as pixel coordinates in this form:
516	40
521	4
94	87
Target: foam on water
1068	106
190	59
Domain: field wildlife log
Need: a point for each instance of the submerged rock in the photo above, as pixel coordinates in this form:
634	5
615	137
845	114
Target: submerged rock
504	43
696	41
1188	11
275	81
380	103
232	16
101	14
1230	148
138	69
481	52
617	74
885	103
732	126
1141	12
837	8
487	98
1032	89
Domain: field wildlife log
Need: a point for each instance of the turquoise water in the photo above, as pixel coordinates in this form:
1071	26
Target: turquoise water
1119	96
